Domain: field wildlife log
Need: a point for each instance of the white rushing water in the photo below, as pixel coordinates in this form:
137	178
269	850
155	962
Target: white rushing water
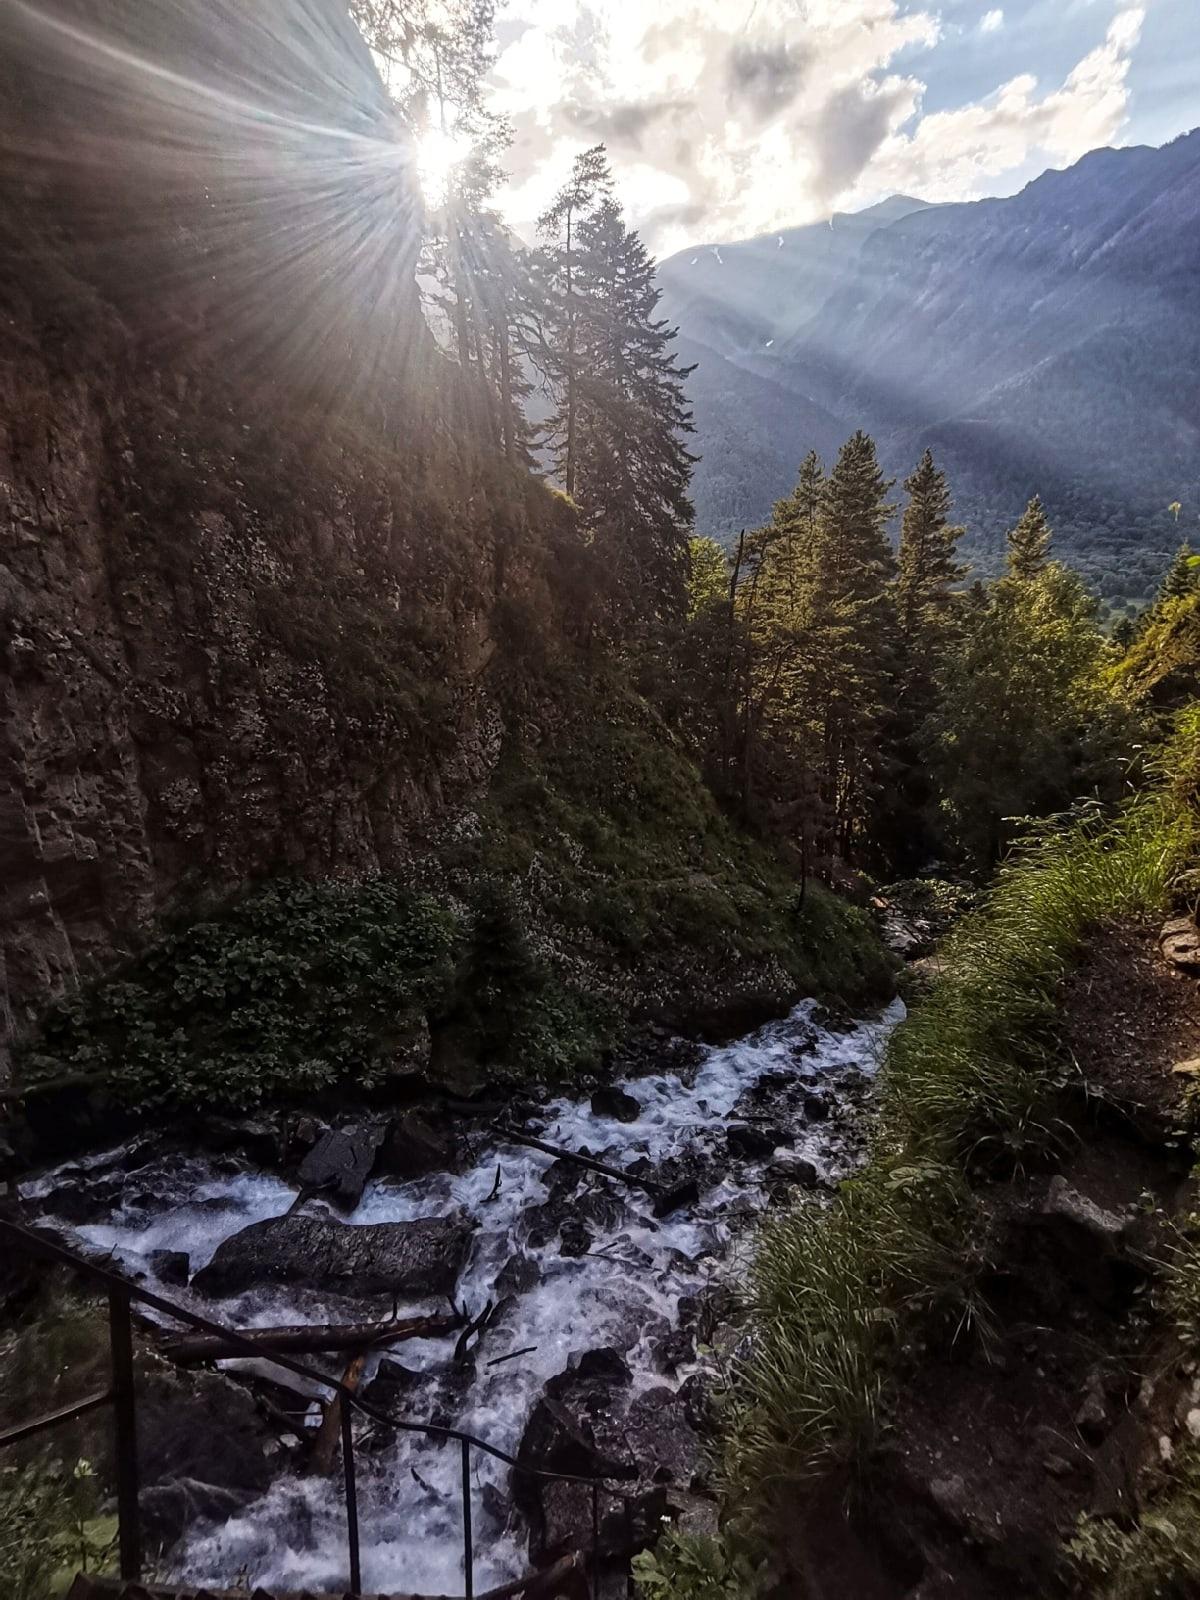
623	1292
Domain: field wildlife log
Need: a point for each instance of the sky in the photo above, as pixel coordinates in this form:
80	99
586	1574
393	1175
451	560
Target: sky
728	118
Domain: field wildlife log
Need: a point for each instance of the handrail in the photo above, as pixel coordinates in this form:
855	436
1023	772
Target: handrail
122	1290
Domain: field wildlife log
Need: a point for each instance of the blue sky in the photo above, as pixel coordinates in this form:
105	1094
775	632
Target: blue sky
725	118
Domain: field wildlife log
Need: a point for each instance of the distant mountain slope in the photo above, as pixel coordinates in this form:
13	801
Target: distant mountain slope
1049	341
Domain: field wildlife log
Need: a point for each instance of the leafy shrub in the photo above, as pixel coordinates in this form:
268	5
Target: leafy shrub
50	1527
291	988
691	1566
1156	1559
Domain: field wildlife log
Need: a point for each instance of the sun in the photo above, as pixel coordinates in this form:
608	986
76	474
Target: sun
439	151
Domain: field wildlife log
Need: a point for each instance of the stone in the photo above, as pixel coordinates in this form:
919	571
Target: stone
575	1240
816	1107
409	1259
393	1385
1063	1203
340	1163
1179	942
750	1143
518	1275
413	1146
170	1266
1093	1418
611	1101
788	1167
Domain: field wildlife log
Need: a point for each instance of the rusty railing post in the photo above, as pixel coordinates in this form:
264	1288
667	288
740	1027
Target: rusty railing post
351	1499
120	1335
468	1541
595	1540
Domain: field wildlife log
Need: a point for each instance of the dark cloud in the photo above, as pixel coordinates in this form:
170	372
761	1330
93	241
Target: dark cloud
851	126
764	79
624	122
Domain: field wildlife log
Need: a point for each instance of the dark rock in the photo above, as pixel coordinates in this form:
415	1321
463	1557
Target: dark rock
518	1275
256	1137
605	1364
611	1101
83	1199
791	1168
575	1238
413	1147
1093	1419
170	1266
203	1449
750	1143
392	1385
340	1163
421	1258
676	1347
816	1107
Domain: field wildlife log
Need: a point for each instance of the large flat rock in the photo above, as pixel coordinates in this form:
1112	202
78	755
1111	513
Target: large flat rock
421	1258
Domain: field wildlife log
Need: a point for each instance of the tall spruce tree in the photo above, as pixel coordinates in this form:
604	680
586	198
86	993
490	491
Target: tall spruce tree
905	826
852	635
620	415
1029	542
1183	575
569	301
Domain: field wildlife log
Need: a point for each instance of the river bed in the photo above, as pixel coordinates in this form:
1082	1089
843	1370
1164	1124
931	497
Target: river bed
806	1078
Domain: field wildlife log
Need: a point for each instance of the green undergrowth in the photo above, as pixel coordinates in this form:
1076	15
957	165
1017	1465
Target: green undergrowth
599	886
838	1293
633	854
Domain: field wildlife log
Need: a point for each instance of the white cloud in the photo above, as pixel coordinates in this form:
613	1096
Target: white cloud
956	155
724	120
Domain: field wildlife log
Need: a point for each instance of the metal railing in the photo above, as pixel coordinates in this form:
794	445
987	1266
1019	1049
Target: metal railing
121	1395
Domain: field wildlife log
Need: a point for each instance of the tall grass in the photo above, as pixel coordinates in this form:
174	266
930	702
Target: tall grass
836	1292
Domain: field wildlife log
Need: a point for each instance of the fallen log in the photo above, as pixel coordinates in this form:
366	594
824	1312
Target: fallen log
311	1340
666	1197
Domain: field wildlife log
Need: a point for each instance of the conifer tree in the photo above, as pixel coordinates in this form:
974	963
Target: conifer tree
904	826
1183	575
1029	542
566	292
851	632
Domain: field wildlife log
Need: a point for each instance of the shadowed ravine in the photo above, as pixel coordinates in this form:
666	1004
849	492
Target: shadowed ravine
575	1262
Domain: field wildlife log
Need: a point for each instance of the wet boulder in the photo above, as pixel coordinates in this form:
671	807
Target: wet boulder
409	1259
788	1167
339	1164
170	1266
414	1146
611	1101
747	1142
204	1449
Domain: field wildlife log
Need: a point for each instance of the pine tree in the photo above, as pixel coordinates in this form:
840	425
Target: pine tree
904	827
617	431
565	288
928	571
1183	575
1029	542
851	631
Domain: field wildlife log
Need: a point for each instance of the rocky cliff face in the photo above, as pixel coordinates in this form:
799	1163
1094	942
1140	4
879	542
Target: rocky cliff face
247	625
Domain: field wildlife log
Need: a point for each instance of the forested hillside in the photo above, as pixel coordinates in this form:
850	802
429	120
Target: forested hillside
1044	343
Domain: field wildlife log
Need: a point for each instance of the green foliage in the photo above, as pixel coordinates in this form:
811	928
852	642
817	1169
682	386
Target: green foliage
695	1566
50	1527
1026	721
1158	1558
829	1290
976	1064
287	990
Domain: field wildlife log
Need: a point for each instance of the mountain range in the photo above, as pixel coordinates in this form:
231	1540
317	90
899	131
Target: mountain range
1046	342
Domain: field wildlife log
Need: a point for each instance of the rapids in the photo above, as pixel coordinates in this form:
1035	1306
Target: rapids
623	1292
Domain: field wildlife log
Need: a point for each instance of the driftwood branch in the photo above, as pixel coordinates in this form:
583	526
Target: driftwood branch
324	1447
295	1341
